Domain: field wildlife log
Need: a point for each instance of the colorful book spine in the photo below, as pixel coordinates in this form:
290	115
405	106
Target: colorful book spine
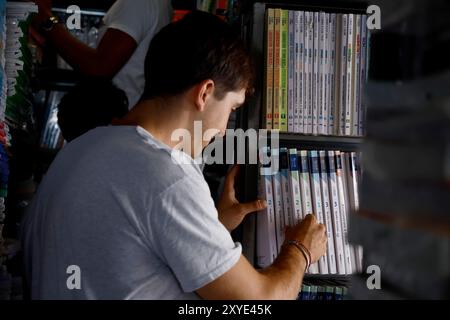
313	294
309	43
327	81
350	65
356	77
363	74
343	74
284	70
305	293
333	106
321	75
276	70
291	70
301	83
329	293
268	93
315	84
296	71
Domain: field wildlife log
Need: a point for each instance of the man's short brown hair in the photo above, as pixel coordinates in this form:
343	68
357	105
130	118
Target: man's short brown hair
196	48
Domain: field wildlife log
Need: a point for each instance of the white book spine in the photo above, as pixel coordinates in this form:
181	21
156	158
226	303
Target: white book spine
356	77
327	76
346	167
291	70
305	184
309	43
285	186
333	82
353	258
337	35
349	76
331	256
350	197
359	258
343	201
321	105
355	168
266	249
278	203
362	79
295	186
315	84
335	213
317	200
343	74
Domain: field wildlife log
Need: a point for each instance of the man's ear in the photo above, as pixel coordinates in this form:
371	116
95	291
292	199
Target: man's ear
202	92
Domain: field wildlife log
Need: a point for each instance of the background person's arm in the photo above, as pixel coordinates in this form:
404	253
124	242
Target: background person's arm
282	280
112	53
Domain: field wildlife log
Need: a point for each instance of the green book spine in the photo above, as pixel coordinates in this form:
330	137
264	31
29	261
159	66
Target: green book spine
268	92
284	70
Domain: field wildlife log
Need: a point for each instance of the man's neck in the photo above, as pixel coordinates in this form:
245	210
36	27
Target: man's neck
160	120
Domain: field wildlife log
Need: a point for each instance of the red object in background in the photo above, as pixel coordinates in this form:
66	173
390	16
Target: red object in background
179	14
222	5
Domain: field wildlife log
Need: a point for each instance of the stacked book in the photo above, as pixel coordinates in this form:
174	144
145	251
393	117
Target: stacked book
4	178
405	194
326	292
52	137
18	63
296	183
221	8
5	284
5	137
315	72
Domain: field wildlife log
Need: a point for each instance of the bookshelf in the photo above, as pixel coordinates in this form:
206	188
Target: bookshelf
401	224
251	116
321	142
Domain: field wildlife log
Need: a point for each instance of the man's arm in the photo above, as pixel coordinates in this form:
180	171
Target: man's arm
282	280
112	53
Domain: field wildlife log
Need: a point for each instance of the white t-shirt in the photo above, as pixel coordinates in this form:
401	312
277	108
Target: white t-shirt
141	20
136	224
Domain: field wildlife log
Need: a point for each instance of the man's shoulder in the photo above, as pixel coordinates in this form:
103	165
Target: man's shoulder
140	157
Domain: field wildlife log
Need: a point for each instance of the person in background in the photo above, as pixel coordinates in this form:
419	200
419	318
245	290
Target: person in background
94	102
125	36
133	213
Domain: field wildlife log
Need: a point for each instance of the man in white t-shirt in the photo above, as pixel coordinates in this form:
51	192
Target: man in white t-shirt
123	214
128	29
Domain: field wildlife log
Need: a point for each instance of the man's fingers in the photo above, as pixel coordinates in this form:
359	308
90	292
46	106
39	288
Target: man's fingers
310	217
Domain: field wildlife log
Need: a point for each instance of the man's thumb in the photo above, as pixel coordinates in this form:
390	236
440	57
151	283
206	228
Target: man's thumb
249	207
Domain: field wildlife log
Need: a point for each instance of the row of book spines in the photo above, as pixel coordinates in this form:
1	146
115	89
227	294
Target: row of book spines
303	184
315	90
322	293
